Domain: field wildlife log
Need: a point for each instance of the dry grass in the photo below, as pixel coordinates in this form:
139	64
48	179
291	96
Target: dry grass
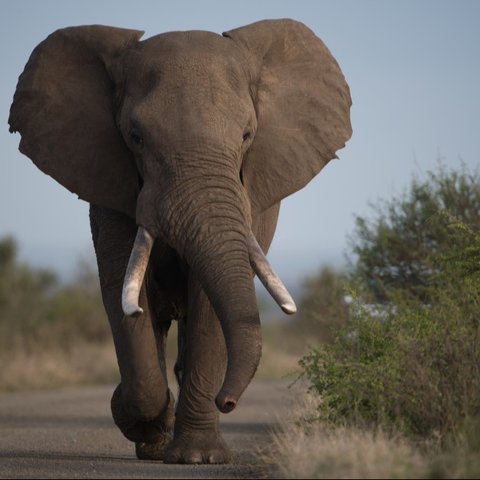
305	450
344	453
83	364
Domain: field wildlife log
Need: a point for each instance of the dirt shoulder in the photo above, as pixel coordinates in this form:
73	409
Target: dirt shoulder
69	433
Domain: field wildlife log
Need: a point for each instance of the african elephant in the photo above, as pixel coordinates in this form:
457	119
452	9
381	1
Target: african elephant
184	144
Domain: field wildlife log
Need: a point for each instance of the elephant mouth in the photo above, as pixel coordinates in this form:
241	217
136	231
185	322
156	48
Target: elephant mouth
138	263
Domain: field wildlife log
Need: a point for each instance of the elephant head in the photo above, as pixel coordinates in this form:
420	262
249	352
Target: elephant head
193	134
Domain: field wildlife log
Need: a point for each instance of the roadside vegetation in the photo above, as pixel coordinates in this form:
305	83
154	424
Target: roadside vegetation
394	387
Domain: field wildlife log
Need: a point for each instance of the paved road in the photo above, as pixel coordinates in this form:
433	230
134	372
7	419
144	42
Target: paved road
70	434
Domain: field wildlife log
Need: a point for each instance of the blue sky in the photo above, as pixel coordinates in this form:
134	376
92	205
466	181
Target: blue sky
414	73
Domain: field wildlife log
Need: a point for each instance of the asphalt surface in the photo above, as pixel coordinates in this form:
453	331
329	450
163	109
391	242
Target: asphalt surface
70	434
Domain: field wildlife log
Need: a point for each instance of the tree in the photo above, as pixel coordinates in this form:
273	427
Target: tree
398	249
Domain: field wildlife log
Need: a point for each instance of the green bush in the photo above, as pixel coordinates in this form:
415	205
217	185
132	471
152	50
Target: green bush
416	371
411	361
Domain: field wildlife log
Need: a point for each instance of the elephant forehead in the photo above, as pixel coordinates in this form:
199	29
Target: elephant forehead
186	57
189	43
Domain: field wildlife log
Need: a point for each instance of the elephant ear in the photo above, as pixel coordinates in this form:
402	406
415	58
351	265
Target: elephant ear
64	109
302	103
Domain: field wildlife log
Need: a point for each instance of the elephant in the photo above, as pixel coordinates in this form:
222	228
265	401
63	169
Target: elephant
184	145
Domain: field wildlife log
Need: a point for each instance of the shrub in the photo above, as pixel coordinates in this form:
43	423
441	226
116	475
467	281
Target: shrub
411	363
417	371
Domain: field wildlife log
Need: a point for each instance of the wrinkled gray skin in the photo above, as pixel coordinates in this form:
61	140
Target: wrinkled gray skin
196	137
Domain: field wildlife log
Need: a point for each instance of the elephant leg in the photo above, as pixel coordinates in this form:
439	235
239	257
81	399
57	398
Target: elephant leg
142	405
148	446
197	437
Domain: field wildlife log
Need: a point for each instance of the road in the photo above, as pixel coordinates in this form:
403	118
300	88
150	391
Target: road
70	434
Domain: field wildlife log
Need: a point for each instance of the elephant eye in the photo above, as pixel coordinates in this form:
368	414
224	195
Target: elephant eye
246	135
136	139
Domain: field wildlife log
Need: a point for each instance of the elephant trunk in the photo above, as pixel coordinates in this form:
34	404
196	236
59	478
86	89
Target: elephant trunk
214	238
209	230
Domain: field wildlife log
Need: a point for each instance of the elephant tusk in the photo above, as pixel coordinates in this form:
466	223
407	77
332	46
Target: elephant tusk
268	277
137	266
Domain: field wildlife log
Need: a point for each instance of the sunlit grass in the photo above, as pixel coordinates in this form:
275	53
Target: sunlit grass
304	449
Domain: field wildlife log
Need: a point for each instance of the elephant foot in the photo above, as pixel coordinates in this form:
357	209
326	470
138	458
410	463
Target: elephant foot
149	436
197	447
152	451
